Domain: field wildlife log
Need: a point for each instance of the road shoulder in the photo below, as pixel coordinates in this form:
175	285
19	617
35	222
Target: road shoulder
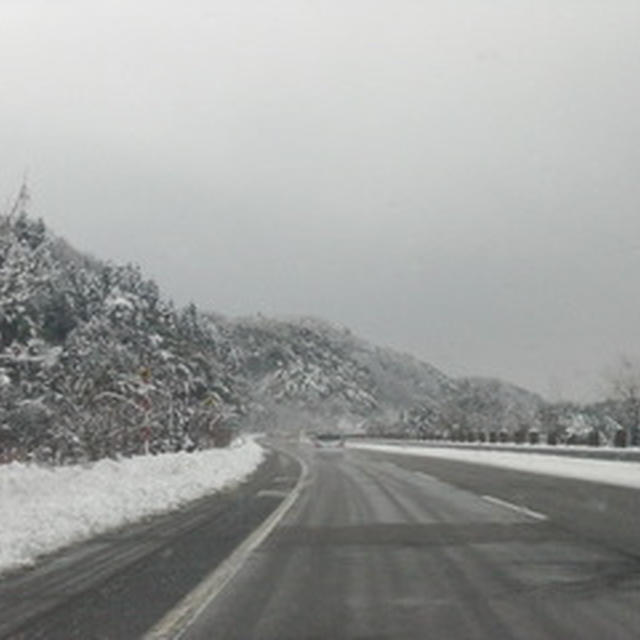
118	585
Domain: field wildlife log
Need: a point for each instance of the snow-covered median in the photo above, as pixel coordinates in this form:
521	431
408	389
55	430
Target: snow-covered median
619	473
43	509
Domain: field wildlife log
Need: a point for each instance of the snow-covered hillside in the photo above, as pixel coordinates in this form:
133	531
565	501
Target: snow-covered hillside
94	362
309	367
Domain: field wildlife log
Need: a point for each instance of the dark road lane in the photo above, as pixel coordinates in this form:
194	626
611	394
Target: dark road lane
375	549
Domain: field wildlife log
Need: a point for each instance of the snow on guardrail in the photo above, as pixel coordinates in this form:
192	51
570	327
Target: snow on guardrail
573	450
614	472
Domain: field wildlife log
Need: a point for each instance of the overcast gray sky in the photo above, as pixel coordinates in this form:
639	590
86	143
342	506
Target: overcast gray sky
459	179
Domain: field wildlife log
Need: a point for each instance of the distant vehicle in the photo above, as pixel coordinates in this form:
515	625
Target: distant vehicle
328	440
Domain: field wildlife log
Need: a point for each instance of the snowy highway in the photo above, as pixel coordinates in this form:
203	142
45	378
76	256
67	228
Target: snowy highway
390	546
376	545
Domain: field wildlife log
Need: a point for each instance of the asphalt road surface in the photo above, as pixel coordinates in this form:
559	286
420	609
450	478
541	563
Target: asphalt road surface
116	586
388	546
375	546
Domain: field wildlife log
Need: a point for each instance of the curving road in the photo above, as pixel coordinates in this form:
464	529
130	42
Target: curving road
384	546
376	545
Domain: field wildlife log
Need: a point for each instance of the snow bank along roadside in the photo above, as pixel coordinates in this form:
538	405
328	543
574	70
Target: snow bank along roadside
614	472
43	509
573	450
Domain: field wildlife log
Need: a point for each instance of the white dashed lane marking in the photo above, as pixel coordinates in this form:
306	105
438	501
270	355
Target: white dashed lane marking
515	507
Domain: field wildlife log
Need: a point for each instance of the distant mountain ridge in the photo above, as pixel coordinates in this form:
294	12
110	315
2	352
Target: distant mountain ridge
309	371
321	369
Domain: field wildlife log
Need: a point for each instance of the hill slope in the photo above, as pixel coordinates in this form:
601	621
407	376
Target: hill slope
309	370
94	362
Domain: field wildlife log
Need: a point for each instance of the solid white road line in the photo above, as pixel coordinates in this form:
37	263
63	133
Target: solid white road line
514	507
175	623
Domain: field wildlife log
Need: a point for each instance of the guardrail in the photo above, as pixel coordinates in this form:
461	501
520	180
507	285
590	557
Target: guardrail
573	450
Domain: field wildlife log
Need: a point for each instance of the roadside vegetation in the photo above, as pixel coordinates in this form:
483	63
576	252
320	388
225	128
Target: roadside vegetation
94	363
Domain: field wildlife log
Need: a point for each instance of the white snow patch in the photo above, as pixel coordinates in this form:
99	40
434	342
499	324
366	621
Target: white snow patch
119	302
614	472
43	509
